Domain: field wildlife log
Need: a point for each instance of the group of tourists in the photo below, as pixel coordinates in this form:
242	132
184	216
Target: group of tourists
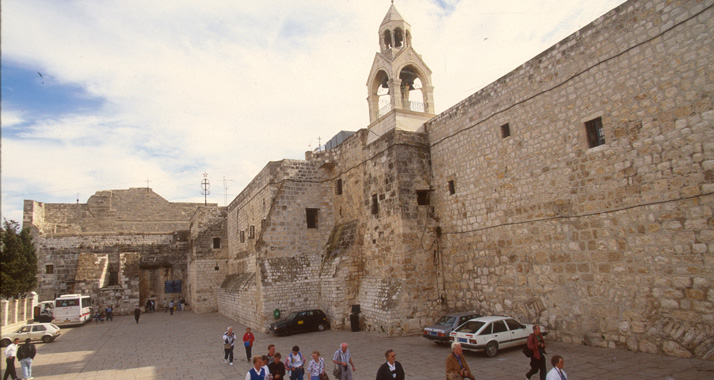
458	369
25	354
295	366
103	314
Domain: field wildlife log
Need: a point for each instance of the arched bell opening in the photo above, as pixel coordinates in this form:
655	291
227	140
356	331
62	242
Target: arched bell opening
387	39
380	97
412	94
398	38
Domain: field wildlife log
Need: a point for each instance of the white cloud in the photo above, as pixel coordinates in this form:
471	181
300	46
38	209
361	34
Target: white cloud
225	87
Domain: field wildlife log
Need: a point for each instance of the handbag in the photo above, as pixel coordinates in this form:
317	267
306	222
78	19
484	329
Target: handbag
227	346
337	371
527	352
323	376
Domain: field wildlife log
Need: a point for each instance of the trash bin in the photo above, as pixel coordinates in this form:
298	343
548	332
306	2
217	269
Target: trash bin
354	322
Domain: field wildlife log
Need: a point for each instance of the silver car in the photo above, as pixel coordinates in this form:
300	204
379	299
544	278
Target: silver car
439	331
45	332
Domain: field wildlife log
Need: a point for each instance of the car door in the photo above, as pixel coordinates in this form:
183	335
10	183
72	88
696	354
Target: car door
519	333
23	333
37	332
300	321
501	334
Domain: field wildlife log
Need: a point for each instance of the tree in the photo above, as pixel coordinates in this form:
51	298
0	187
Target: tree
18	260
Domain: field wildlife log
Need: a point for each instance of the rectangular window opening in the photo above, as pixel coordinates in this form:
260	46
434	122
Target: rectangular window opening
595	134
311	214
114	278
375	205
452	187
251	232
242	236
49	269
338	187
505	130
422	197
216	243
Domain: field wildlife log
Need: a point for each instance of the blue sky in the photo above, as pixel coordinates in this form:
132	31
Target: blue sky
164	91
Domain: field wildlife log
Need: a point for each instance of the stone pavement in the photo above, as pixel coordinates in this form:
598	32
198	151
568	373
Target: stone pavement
189	346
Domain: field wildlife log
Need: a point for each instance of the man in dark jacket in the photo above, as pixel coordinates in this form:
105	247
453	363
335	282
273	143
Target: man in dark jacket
392	369
536	342
25	354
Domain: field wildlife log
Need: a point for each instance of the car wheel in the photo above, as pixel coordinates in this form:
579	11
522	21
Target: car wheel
491	349
5	342
46	339
320	327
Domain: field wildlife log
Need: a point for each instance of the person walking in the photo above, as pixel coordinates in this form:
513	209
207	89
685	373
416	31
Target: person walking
257	372
276	368
229	339
110	313
295	363
536	343
25	354
10	353
456	365
343	358
557	372
316	366
137	313
248	339
392	369
171	306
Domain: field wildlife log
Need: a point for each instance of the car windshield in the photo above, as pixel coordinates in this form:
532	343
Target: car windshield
446	320
291	316
470	327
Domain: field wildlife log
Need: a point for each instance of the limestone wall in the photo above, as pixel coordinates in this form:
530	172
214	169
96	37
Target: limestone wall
609	245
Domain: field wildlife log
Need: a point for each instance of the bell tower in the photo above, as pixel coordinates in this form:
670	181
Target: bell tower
399	79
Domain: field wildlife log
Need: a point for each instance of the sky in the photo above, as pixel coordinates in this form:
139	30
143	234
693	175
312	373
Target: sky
103	95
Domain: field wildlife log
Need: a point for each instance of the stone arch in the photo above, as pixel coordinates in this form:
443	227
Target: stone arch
413	80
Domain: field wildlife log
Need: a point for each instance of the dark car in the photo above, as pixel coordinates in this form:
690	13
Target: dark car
439	331
301	321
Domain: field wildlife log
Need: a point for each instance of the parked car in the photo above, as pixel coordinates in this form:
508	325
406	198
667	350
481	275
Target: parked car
45	332
490	334
439	331
301	321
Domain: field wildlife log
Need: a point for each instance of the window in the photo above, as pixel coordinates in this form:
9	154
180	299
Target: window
452	187
498	327
251	232
49	269
505	130
375	205
38	328
513	325
25	329
486	330
422	197
593	129
338	187
242	236
216	243
311	214
113	278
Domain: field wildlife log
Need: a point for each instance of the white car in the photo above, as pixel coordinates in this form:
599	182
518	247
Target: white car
45	332
489	334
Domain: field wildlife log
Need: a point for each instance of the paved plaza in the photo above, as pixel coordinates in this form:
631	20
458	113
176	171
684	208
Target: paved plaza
189	346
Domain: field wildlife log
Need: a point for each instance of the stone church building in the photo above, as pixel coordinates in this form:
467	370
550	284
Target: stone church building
577	192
